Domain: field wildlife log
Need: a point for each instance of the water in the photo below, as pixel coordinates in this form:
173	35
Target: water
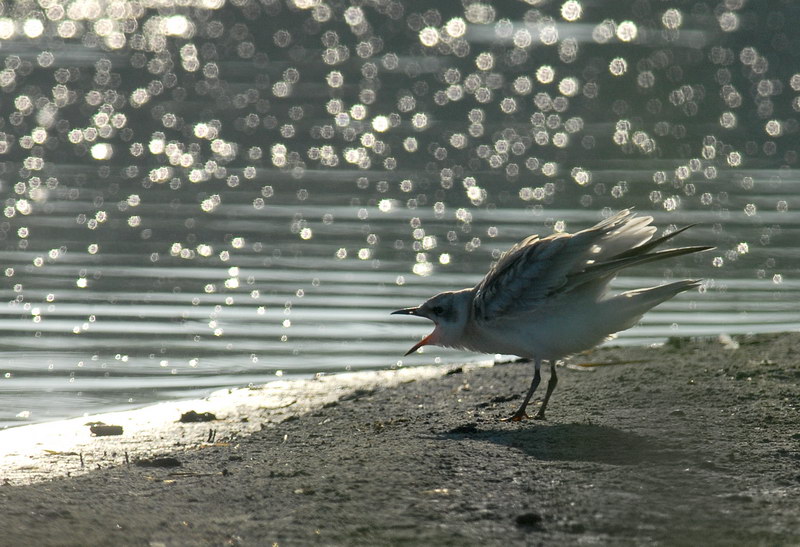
233	193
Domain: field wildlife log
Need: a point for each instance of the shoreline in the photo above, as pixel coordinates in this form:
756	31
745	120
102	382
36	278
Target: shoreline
691	442
70	447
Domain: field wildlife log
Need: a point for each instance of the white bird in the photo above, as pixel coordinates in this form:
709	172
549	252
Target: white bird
546	299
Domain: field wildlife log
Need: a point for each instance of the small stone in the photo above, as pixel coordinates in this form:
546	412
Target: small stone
158	462
529	520
192	417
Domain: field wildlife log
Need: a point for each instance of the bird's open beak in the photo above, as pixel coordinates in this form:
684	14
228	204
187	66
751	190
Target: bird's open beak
425	341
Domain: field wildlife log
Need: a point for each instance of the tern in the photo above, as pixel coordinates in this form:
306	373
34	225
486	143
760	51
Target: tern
547	298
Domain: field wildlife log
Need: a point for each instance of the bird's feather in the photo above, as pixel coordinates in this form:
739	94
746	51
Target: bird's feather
610	268
535	270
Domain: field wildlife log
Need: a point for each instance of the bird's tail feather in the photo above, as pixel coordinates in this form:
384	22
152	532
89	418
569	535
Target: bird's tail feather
632	305
664	292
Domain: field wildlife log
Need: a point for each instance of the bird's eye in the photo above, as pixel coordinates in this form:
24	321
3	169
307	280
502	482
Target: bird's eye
438	310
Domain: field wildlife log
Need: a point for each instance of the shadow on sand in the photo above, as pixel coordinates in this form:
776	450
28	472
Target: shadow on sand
575	442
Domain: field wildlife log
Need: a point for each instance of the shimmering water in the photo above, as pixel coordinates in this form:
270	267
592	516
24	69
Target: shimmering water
207	194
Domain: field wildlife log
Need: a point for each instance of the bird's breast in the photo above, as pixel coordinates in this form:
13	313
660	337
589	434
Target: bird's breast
499	338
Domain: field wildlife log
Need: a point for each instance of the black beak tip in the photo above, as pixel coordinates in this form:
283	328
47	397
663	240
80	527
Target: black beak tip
405	311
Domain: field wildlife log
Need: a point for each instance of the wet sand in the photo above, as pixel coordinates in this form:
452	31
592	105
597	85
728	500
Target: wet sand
693	442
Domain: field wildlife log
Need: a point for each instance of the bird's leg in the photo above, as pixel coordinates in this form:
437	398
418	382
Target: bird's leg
551	385
520	414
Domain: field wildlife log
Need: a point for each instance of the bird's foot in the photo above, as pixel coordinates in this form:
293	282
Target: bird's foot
517	417
539	416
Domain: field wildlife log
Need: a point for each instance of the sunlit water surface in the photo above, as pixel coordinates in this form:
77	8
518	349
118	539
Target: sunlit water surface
230	194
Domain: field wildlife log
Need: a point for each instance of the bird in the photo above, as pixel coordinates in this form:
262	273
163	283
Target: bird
548	298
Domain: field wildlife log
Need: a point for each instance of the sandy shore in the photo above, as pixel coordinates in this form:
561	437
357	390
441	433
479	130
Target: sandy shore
692	443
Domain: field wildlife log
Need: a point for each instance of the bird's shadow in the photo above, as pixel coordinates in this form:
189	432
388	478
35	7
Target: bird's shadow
572	442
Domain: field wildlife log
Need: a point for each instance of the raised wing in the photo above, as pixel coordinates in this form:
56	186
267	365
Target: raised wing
535	269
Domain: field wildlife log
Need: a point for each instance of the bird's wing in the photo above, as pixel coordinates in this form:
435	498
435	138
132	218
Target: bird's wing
524	276
535	269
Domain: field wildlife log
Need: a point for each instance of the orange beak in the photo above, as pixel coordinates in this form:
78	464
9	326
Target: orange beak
424	342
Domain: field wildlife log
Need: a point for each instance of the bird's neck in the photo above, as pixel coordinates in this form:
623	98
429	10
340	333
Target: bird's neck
453	334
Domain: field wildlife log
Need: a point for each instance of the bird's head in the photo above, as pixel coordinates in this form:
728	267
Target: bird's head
449	312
